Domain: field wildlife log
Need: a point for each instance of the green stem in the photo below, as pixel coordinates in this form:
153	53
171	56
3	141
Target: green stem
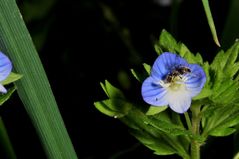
195	146
188	121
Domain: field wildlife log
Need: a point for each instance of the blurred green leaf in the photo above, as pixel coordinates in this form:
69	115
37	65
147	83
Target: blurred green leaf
5	143
147	68
33	10
236	156
138	75
5	97
11	78
141	75
38	12
124	79
34	89
230	31
123	32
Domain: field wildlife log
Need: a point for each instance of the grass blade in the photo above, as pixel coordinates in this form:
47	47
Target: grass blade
210	21
33	89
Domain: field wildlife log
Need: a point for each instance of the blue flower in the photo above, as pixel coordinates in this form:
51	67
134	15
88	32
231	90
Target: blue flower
5	70
173	82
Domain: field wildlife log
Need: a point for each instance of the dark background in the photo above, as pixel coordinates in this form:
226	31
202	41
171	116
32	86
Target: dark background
79	47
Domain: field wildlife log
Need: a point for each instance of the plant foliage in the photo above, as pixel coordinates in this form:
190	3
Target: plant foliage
164	131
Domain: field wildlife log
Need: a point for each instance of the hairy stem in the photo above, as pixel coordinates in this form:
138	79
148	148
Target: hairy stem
195	146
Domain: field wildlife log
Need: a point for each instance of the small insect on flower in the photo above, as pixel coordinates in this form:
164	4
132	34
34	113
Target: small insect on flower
173	82
178	71
5	70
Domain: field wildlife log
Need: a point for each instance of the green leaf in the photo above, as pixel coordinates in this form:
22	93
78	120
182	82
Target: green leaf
167	42
164	123
11	78
191	58
147	68
116	105
159	141
168	127
139	75
158	49
172	129
226	93
222	72
155	110
113	107
227	62
206	69
5	97
104	107
34	89
203	94
104	88
232	66
156	144
222	132
219	60
220	119
111	91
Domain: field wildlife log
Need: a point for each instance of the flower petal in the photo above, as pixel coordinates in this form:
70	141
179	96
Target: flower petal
195	80
153	94
179	101
2	89
165	63
5	66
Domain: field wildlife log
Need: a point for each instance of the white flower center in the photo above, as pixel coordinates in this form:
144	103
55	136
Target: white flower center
174	81
175	84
